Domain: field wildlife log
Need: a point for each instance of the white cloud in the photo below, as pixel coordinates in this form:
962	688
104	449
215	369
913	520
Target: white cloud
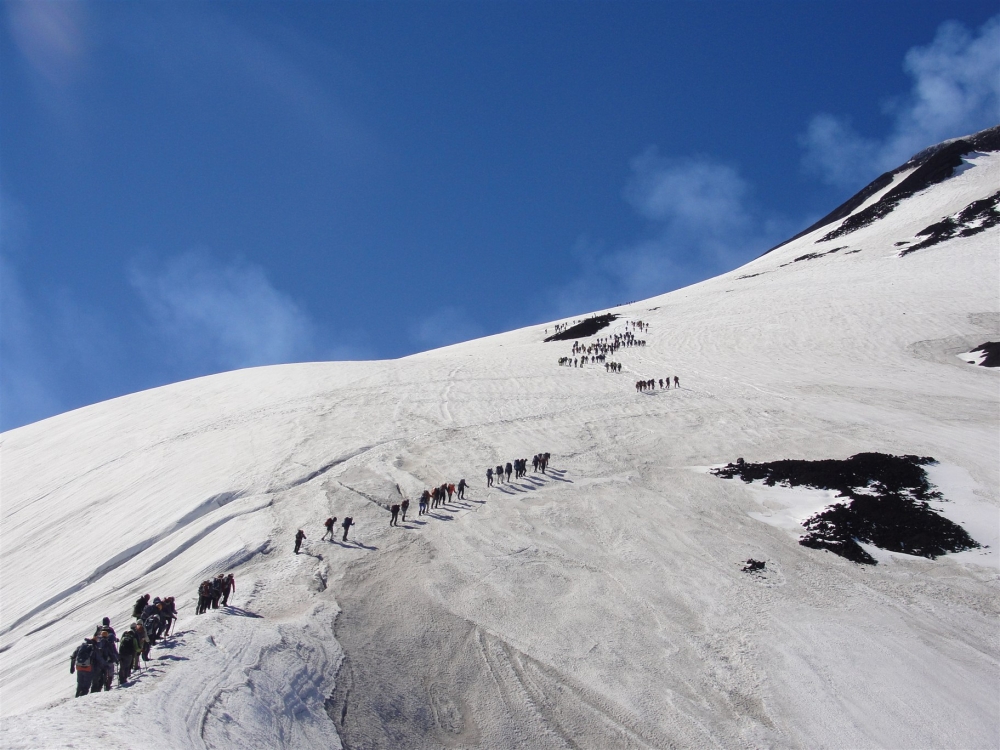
696	193
956	91
700	222
222	316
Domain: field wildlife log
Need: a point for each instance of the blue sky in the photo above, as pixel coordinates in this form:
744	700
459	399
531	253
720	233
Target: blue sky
191	187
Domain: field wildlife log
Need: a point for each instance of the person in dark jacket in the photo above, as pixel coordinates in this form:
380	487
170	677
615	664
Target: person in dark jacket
98	666
169	614
127	652
85	661
106	625
299	536
140	604
461	489
394	510
204	597
109	655
154	626
348	523
403	506
228	587
489	477
217	584
150	609
329	524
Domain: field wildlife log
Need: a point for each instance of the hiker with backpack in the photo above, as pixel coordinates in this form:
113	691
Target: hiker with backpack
228	587
144	644
489	477
85	661
105	625
204	597
394	510
461	489
128	652
102	679
150	609
328	523
403	507
348	523
169	614
299	536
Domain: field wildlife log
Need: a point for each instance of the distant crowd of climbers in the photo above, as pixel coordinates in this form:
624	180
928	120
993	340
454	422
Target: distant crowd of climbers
95	659
597	352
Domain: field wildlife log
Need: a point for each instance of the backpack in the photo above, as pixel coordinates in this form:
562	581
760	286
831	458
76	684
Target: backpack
83	656
128	642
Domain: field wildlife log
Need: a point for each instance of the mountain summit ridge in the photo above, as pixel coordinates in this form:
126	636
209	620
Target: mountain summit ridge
931	165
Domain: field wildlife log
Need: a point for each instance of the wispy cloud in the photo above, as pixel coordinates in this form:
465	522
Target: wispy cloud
299	78
222	316
50	36
956	91
700	221
193	315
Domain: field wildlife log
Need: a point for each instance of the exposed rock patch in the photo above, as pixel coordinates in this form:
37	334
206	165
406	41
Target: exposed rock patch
585	328
977	217
988	354
888	504
933	165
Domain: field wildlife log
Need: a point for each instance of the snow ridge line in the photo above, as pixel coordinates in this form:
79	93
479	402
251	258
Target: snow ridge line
218	501
124	557
325	468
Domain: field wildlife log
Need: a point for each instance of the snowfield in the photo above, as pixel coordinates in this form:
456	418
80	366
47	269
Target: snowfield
601	605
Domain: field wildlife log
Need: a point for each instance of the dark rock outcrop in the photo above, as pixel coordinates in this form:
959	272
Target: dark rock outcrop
888	504
585	328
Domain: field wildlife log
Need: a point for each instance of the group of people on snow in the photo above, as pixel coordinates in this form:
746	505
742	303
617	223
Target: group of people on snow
213	589
94	661
432	498
435	498
650	385
518	467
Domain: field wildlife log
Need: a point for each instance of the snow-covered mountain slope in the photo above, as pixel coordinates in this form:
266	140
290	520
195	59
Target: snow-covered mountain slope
600	605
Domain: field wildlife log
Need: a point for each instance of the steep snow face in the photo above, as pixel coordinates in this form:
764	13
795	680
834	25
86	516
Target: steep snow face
599	605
